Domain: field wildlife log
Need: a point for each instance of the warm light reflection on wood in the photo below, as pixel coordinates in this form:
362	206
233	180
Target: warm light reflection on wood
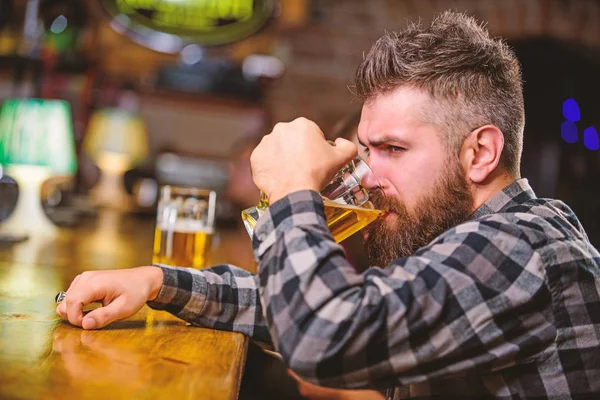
151	355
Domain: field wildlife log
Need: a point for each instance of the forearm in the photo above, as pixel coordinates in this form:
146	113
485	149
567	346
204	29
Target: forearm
327	322
304	276
222	297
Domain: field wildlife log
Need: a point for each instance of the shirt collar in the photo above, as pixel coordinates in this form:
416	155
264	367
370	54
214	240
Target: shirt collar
517	192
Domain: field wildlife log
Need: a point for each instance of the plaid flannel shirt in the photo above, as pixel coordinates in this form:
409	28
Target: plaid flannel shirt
505	305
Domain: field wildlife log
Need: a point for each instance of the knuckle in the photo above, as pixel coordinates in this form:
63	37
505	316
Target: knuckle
71	300
87	274
305	122
92	281
252	159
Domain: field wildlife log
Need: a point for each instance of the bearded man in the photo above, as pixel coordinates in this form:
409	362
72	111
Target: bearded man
478	288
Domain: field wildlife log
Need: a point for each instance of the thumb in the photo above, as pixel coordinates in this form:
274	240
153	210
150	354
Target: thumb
103	316
345	150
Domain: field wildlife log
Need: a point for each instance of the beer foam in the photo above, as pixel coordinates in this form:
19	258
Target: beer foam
186	226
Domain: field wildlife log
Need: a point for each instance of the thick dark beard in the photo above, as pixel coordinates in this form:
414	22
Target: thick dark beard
449	204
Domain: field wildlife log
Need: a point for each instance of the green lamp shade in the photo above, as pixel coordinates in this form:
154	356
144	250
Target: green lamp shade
37	132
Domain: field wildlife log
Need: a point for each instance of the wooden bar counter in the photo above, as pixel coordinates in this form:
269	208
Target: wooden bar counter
151	355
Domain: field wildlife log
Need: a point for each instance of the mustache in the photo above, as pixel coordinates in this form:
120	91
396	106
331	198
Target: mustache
386	204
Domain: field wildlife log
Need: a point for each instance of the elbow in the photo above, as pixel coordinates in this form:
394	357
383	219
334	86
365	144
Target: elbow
302	360
305	370
313	366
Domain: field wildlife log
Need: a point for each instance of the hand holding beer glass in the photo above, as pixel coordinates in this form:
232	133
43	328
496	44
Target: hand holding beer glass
346	200
185	224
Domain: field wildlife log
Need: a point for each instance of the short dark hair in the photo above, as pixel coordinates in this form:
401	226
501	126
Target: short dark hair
473	78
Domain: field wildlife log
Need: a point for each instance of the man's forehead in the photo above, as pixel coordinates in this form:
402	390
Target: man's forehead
377	129
394	118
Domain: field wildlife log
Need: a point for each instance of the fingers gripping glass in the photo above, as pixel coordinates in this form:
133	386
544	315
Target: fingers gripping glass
346	200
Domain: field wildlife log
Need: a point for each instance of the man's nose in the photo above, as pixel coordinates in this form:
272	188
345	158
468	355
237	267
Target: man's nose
374	179
370	181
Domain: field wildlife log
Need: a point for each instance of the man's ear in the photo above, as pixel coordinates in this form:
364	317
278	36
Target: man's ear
481	151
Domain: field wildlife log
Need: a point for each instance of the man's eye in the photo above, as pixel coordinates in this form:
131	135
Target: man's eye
395	149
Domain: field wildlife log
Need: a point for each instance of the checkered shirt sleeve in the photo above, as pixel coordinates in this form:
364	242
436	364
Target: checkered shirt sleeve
221	297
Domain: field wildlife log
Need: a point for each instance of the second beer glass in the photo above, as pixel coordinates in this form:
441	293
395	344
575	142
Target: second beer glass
184	227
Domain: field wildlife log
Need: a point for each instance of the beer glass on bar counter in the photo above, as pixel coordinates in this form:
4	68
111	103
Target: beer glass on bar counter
185	224
346	200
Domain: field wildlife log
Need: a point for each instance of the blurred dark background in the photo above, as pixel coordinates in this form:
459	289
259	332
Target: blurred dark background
204	105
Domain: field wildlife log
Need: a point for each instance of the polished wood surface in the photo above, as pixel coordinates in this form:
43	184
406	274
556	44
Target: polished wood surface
152	355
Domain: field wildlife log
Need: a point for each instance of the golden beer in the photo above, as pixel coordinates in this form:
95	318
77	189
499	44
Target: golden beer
343	220
182	246
185	223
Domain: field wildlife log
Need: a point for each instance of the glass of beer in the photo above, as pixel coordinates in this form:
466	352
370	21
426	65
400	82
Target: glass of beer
185	224
346	200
